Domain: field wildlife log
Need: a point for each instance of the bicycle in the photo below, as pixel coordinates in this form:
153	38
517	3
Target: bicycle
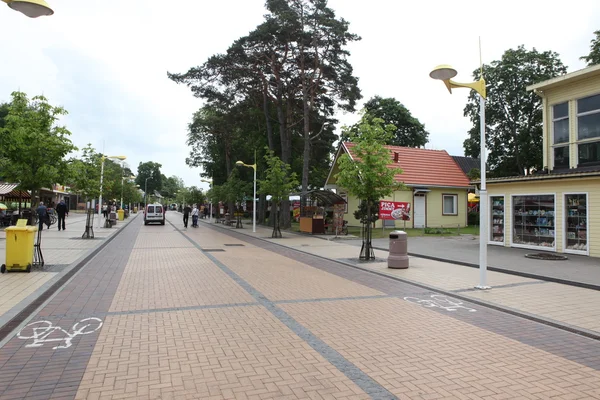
35	219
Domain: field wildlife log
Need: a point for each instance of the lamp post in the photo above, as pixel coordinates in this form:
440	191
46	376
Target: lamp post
101	181
31	8
253	166
445	73
146	191
209	181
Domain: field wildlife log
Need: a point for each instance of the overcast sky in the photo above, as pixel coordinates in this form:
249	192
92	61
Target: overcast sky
106	61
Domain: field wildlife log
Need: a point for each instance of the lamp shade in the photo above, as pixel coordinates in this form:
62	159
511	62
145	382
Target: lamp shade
443	72
31	8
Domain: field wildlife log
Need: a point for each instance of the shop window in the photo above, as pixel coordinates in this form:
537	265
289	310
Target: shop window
497	214
449	204
576	223
534	221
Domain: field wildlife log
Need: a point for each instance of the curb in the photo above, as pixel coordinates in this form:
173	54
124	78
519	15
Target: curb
522	314
26	307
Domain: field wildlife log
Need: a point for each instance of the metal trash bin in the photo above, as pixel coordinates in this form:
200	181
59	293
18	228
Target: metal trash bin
20	242
121	214
398	254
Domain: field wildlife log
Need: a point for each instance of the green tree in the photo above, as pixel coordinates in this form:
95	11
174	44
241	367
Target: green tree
150	170
235	191
366	175
593	57
410	132
513	115
171	186
34	144
279	183
196	196
84	175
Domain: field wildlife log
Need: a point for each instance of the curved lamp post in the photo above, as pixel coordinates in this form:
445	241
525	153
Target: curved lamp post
101	180
31	8
445	73
209	181
253	166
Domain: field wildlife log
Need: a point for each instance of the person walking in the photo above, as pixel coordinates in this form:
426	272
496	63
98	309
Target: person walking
195	217
62	211
43	217
186	215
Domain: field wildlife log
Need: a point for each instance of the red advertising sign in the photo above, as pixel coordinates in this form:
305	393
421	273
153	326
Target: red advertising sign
394	210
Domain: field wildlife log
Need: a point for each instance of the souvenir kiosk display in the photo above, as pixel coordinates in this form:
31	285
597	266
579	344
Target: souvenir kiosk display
313	217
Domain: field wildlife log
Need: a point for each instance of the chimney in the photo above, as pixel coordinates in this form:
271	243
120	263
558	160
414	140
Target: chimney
396	157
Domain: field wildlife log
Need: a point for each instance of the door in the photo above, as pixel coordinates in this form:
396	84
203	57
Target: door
419	212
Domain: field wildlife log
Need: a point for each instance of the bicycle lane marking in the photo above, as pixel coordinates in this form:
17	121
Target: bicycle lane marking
49	355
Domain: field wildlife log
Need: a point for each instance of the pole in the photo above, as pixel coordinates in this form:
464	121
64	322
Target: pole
122	179
100	199
254	201
483	203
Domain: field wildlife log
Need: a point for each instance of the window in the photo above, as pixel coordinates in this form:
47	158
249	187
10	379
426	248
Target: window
560	122
560	132
589	153
561	157
588	130
449	204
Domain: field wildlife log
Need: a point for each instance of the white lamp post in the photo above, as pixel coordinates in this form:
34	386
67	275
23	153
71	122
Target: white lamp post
253	166
209	181
101	181
31	8
445	73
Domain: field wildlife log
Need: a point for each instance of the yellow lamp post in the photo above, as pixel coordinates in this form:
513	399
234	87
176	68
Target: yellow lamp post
445	73
31	8
101	181
253	166
209	181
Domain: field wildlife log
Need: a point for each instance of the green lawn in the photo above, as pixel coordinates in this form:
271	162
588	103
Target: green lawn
378	233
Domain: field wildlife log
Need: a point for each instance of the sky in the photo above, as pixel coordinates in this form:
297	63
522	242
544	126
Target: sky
106	61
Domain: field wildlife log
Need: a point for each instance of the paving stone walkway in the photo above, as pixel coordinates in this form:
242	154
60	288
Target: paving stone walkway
213	313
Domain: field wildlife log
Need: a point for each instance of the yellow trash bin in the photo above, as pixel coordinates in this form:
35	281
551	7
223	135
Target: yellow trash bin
135	210
19	248
121	214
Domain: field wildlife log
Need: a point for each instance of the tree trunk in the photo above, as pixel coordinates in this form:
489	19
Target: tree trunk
262	208
267	117
276	229
306	154
366	251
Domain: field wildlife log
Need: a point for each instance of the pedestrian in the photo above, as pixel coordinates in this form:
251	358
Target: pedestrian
186	215
195	217
205	212
43	217
105	210
62	211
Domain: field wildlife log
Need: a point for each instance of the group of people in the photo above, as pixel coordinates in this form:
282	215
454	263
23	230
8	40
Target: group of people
195	212
62	211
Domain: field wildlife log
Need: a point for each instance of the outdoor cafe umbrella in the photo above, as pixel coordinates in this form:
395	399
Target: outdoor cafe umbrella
3	206
473	198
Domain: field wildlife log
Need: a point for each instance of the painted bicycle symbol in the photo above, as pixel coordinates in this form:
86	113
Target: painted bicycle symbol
439	301
41	332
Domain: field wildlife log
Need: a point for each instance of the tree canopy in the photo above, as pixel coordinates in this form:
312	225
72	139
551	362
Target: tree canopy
34	144
593	57
409	132
514	132
150	170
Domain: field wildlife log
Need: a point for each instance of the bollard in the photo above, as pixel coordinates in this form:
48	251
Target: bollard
398	256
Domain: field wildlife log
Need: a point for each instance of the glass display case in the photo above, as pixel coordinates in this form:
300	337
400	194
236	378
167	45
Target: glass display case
576	223
497	220
534	221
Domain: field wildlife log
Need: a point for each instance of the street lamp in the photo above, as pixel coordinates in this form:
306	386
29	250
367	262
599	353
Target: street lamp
31	8
445	73
209	181
253	166
101	180
146	190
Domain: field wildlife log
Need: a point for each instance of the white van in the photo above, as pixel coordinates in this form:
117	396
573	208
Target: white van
154	213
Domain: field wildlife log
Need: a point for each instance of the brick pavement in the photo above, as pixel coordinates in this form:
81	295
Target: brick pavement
260	321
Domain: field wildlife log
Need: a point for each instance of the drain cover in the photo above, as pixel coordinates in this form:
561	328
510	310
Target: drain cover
546	256
211	250
233	244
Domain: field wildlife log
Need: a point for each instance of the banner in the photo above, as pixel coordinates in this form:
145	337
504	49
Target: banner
394	210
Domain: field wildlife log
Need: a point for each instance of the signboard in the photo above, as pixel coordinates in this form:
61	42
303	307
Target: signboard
296	210
394	210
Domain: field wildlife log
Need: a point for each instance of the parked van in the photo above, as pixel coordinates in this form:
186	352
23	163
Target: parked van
154	213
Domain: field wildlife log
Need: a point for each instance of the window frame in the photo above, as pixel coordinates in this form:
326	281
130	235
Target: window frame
562	144
455	204
586	140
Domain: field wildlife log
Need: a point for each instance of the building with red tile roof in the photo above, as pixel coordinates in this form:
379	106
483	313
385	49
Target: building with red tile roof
436	186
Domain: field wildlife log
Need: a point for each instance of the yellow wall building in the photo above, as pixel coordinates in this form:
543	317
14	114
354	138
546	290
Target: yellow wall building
435	187
555	209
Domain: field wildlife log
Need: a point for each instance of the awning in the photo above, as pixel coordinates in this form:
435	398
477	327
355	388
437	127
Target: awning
328	197
8	191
